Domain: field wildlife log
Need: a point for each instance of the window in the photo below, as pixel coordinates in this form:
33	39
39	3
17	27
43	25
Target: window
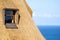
10	18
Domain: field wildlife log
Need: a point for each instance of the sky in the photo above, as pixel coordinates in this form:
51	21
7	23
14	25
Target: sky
45	12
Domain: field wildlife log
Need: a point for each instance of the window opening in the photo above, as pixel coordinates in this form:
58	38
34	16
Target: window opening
10	18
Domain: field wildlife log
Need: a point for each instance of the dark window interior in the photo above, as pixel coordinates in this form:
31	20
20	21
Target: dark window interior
9	14
9	17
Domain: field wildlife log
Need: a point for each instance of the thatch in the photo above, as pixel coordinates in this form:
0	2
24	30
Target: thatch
27	29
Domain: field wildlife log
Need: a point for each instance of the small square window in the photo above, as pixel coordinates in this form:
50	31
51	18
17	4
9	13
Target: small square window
10	18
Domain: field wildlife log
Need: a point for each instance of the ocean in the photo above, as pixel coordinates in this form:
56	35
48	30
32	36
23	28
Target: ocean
50	32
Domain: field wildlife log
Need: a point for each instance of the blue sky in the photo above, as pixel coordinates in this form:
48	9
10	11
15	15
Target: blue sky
45	12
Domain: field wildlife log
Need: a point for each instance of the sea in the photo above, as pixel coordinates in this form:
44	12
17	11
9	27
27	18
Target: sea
50	32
